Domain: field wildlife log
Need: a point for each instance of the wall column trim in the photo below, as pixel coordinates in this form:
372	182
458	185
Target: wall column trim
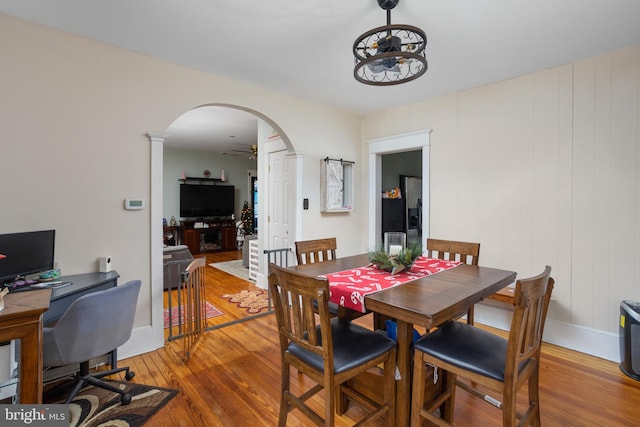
156	203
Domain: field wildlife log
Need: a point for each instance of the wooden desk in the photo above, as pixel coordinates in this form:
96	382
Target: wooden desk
22	319
429	301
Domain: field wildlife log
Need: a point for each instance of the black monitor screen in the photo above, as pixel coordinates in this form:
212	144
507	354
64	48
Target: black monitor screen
26	253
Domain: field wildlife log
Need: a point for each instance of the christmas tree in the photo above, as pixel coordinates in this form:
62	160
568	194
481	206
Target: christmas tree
247	218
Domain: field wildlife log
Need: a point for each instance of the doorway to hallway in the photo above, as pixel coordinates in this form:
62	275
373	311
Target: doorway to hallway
385	146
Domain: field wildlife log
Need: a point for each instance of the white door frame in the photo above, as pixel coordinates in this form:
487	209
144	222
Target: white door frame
387	145
295	202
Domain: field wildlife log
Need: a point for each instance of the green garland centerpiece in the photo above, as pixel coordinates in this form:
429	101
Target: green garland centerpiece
401	261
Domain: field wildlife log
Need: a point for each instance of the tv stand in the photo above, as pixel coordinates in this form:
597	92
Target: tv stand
218	234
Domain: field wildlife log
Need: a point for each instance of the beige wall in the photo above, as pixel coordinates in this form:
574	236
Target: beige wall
544	169
74	115
192	164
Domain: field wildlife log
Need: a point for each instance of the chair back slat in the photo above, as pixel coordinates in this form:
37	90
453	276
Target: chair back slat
319	250
532	298
450	250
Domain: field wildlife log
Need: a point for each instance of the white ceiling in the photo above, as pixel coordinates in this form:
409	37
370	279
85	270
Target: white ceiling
303	47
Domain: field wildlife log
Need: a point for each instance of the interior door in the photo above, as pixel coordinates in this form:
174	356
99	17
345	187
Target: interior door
280	202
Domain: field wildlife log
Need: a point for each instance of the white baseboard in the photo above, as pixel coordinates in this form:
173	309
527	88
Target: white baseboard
142	341
579	338
262	281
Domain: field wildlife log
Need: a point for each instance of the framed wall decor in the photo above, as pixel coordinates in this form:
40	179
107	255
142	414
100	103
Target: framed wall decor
336	183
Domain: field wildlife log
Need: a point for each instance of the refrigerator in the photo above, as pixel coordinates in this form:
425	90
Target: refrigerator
411	190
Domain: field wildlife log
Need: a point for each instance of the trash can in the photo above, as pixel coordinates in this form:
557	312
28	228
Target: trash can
630	338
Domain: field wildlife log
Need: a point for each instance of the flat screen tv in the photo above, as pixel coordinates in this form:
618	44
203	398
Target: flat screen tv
26	253
203	200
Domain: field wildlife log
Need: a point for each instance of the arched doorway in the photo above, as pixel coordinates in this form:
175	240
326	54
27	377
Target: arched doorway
156	206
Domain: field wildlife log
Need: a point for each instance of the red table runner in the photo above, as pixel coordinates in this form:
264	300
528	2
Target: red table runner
349	287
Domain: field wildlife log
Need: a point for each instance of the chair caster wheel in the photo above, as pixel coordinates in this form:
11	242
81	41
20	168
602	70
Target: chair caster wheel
125	399
129	375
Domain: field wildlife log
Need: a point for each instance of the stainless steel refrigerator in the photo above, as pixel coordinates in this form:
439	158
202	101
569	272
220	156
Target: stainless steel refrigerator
411	188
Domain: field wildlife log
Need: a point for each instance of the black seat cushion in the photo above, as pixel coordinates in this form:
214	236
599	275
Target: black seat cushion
467	347
333	307
353	345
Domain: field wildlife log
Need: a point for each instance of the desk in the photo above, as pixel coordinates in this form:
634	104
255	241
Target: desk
81	284
22	319
429	301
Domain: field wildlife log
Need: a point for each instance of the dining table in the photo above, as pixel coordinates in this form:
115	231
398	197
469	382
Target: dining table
428	301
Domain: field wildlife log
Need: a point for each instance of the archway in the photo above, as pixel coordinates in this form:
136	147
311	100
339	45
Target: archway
156	209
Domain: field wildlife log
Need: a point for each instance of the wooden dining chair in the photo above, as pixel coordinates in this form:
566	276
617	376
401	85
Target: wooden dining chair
450	250
476	360
321	250
330	351
318	250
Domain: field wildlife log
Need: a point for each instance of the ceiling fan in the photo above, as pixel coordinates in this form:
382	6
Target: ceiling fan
252	151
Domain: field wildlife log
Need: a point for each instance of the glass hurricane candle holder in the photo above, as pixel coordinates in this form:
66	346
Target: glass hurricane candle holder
394	242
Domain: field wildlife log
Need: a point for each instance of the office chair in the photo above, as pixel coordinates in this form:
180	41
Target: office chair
93	325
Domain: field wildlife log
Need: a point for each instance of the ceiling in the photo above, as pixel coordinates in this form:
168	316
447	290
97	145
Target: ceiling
303	47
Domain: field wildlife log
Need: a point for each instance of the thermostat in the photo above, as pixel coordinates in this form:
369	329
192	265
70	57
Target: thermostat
133	204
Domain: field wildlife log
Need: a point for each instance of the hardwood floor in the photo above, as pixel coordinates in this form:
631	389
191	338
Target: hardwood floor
233	378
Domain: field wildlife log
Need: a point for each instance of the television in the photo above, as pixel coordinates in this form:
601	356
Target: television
26	253
203	200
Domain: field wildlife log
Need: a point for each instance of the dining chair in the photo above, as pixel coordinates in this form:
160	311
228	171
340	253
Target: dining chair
318	250
450	250
321	250
329	350
477	360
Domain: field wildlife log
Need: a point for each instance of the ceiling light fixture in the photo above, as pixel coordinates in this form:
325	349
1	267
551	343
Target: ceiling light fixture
254	152
391	54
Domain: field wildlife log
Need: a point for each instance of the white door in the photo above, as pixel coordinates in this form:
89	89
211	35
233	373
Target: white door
281	201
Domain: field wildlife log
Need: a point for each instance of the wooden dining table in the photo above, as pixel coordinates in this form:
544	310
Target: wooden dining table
428	301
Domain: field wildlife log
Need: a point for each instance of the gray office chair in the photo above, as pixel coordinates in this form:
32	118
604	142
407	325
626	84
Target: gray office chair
93	325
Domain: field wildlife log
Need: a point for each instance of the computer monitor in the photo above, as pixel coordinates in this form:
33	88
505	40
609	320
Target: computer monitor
26	253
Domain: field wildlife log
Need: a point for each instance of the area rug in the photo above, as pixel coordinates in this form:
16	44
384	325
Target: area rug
252	301
234	268
94	406
211	312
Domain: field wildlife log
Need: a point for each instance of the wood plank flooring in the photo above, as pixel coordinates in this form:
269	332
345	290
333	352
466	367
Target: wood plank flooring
233	378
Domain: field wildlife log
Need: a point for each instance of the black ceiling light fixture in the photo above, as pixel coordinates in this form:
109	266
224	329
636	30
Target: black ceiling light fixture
391	54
